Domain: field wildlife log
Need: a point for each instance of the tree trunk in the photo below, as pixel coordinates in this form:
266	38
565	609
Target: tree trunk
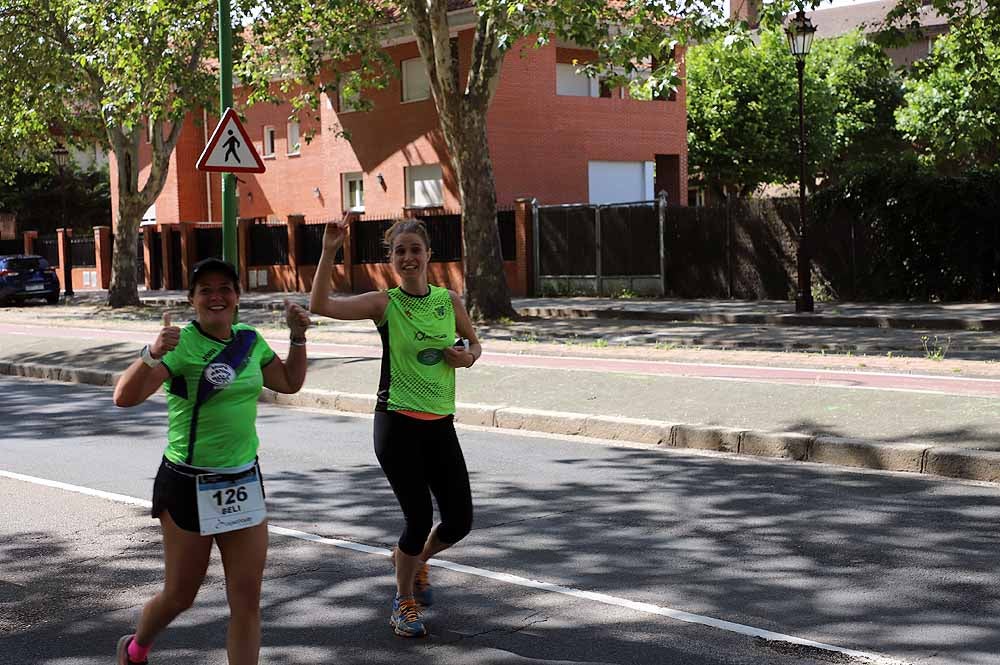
124	285
124	290
487	296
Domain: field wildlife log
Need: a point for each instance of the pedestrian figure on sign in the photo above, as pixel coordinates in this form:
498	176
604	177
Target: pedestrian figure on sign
232	143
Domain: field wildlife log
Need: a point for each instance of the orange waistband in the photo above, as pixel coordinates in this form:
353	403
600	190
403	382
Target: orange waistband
421	415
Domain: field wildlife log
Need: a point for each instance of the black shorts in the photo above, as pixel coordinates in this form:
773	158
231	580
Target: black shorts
174	491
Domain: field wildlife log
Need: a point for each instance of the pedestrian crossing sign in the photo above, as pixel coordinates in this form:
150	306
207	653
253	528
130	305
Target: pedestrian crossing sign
230	149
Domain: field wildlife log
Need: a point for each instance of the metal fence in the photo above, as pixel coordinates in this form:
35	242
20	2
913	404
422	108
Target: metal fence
309	244
48	247
584	248
83	252
208	243
444	230
268	245
11	246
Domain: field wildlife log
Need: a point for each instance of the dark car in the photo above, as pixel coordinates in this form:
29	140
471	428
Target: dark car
24	276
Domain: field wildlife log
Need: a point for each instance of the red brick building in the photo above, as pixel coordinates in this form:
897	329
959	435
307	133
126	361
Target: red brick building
554	136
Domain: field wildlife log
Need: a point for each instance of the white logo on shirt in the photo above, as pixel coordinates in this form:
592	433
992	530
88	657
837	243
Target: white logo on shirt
220	374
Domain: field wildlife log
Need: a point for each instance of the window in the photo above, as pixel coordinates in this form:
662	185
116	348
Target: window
424	186
354	192
571	84
268	150
293	137
347	94
416	83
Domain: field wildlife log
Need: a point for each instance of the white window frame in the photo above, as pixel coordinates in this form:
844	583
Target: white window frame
416	82
268	135
293	148
349	204
424	186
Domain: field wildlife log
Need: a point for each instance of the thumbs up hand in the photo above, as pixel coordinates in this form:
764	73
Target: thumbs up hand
297	319
167	340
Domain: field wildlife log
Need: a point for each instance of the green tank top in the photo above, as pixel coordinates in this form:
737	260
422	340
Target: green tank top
212	397
414	331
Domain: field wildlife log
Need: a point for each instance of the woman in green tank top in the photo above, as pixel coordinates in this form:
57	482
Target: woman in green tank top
415	440
208	489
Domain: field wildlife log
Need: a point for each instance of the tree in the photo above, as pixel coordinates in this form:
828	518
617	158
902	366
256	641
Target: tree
743	114
298	42
110	69
743	110
952	101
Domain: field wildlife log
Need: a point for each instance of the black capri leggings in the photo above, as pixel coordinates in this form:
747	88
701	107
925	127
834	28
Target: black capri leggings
421	457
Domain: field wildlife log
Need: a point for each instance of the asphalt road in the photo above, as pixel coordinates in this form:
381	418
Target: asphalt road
622	539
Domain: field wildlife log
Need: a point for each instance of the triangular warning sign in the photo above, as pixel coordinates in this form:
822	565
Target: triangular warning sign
230	149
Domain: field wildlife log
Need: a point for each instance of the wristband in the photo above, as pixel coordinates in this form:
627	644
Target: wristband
148	359
297	341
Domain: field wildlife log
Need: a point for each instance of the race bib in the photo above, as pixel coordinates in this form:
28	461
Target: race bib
229	502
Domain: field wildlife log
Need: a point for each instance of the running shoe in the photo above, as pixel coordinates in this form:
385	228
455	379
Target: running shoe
123	658
405	618
422	591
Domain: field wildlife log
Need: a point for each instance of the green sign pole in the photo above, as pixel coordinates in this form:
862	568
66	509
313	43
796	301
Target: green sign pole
230	249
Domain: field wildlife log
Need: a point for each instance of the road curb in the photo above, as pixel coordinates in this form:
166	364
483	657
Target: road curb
822	320
941	461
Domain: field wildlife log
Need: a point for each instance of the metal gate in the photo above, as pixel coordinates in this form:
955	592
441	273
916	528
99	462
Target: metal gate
586	249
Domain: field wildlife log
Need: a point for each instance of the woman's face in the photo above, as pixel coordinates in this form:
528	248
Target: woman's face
214	300
410	255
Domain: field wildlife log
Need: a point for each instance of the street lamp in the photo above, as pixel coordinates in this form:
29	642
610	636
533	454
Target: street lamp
800	32
61	156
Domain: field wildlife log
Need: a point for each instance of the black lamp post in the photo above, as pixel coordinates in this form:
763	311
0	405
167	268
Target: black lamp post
61	156
800	32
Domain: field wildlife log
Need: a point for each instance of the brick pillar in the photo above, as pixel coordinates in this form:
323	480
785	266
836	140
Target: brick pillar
167	252
102	251
147	255
243	241
65	258
523	219
187	251
294	221
29	241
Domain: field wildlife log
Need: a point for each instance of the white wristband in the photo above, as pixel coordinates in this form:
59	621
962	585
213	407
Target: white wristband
148	358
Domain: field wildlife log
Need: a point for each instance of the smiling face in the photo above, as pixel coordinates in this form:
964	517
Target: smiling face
410	256
214	300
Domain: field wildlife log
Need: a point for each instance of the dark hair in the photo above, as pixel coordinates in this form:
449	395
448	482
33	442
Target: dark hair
401	226
213	266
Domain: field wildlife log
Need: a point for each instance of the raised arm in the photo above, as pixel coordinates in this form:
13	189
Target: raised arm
143	378
369	305
287	376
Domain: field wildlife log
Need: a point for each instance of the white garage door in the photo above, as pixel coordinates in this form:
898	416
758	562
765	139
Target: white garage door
620	182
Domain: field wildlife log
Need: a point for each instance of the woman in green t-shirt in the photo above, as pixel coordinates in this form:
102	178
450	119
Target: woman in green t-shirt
415	440
208	488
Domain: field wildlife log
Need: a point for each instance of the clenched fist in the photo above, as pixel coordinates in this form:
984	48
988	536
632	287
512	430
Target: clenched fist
167	339
297	319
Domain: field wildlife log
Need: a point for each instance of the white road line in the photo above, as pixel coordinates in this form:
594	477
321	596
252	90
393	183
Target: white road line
506	578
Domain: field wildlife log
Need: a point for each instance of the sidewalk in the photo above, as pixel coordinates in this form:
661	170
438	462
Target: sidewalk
965	330
922	432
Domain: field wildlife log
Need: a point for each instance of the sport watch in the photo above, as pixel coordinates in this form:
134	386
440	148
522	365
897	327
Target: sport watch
148	358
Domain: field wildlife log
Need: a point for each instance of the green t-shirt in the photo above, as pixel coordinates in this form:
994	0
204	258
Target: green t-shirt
212	397
414	331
